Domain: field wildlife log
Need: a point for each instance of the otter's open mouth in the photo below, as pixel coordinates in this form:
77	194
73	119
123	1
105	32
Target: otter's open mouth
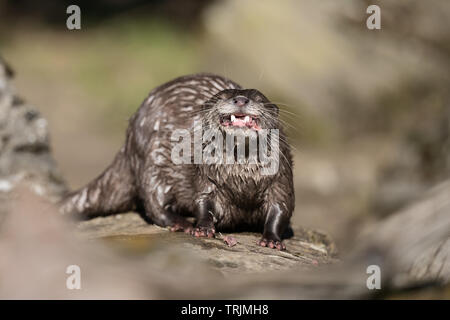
240	121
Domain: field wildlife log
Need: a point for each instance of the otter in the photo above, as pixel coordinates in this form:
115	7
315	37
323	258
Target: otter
221	197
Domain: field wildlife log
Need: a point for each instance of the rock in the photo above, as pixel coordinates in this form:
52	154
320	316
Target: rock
25	154
37	245
415	241
307	248
122	257
422	160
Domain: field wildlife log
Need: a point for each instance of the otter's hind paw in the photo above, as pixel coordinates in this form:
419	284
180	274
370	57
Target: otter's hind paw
184	226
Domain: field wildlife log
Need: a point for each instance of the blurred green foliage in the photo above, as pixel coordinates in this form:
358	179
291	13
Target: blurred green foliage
121	62
116	63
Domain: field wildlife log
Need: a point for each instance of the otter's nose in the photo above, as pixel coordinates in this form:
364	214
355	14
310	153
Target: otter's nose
240	101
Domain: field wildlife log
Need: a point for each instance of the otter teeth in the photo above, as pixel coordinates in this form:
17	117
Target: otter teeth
247	119
233	118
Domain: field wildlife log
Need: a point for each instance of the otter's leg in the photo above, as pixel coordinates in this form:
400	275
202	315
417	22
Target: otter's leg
163	216
204	213
277	221
156	203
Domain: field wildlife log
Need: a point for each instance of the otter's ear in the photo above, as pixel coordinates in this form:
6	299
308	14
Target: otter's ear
273	108
7	69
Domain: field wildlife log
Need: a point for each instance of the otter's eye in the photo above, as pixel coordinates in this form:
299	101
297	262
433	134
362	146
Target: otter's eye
258	99
223	96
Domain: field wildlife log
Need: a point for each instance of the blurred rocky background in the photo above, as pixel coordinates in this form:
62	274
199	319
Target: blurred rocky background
367	111
25	154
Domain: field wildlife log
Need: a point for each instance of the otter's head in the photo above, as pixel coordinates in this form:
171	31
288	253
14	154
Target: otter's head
234	110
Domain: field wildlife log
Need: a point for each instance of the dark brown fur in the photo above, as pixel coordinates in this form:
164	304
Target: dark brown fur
143	177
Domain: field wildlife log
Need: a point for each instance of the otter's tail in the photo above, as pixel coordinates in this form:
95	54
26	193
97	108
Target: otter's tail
112	192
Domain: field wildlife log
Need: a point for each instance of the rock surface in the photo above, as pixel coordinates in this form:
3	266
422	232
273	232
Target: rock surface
129	231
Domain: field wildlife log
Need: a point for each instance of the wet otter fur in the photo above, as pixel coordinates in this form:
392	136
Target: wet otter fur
144	178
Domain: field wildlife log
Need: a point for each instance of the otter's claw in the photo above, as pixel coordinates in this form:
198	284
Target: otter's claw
178	227
273	244
203	232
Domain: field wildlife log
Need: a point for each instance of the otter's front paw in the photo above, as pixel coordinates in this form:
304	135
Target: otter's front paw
184	226
204	232
274	244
